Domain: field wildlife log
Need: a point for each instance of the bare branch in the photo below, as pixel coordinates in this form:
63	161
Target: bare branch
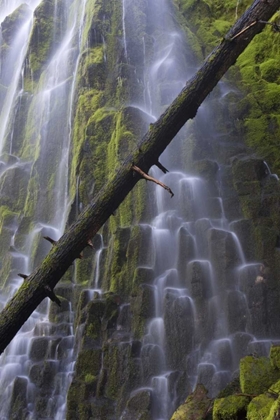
150	178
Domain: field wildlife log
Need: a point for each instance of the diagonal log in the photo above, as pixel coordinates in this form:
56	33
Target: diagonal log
160	134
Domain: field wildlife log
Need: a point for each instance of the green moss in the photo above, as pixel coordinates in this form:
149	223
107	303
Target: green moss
274	392
275	356
7	217
258	76
78	395
221	26
259	407
42	36
88	363
6	265
230	408
89	377
32	196
270	71
260	73
257	375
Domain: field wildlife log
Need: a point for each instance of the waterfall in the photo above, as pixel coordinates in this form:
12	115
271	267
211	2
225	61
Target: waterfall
203	319
42	352
170	295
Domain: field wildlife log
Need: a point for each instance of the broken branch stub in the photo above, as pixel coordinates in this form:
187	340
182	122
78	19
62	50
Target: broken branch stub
150	178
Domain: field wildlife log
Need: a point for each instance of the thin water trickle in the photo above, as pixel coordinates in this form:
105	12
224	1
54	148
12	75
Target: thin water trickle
13	61
124	27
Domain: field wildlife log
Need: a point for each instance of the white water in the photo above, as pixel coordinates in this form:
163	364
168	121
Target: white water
52	103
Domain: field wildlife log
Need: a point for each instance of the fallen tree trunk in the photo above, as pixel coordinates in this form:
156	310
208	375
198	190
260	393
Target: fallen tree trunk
41	282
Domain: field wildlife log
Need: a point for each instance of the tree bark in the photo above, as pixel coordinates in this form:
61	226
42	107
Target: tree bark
146	154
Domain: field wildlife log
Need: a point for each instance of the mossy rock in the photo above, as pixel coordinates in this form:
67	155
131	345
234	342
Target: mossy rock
13	22
139	406
275	356
41	37
77	406
92	316
259	407
195	406
257	375
233	407
88	364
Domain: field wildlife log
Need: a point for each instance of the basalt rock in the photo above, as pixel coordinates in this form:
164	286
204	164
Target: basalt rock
18	410
225	256
179	327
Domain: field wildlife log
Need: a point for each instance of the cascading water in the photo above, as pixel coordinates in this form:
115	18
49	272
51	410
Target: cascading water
41	355
208	297
203	318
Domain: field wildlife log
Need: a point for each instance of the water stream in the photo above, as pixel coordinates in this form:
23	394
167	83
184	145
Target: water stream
39	361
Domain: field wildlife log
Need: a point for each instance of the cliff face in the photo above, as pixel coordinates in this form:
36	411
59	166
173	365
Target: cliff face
174	293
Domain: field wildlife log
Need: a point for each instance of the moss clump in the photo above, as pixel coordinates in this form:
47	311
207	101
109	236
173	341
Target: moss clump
230	408
257	375
89	377
7	217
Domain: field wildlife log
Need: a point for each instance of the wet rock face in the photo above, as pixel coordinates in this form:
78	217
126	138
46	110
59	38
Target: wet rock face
12	23
139	406
186	252
199	279
152	359
237	311
39	348
244	230
225	256
195	406
18	403
179	327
